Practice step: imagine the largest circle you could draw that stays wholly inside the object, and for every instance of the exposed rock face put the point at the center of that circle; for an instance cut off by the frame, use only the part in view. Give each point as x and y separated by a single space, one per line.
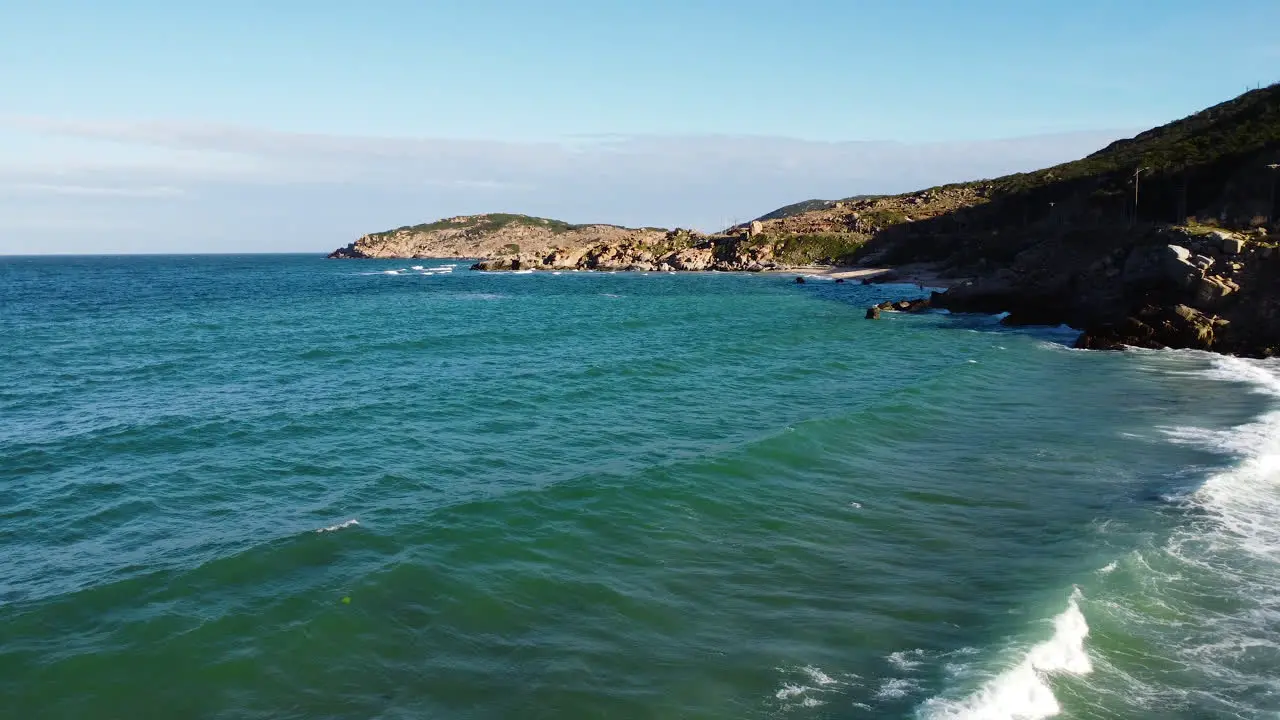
905 306
1168 287
492 236
517 242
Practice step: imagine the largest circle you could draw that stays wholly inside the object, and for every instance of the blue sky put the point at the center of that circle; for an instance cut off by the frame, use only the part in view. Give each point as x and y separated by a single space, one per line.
141 126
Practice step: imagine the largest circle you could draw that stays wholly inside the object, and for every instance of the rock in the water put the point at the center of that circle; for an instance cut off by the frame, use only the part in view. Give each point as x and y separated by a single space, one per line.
873 313
1178 326
799 280
906 306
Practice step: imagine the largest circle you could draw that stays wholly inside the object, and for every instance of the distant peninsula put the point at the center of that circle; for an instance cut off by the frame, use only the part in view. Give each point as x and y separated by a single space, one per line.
1166 239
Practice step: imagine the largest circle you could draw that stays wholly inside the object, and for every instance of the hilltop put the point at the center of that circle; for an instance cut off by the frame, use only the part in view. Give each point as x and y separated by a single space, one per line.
1164 239
489 235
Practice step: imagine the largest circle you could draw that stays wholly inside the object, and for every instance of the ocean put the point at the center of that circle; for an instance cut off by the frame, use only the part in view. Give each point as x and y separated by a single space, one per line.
286 487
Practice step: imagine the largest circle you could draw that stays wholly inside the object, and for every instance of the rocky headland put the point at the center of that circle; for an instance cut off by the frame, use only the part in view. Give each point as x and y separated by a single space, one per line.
1166 239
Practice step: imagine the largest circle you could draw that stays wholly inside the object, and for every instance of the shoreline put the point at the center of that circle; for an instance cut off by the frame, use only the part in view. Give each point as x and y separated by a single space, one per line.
924 276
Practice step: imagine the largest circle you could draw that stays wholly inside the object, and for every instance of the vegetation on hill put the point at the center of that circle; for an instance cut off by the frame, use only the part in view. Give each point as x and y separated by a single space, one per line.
813 248
1212 163
805 206
490 222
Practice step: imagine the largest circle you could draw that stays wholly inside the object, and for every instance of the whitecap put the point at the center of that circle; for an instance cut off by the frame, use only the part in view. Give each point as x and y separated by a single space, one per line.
789 691
339 526
906 660
1023 692
818 676
896 688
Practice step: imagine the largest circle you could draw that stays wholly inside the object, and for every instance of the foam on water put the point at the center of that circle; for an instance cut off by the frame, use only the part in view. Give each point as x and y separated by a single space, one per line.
807 684
1023 691
339 526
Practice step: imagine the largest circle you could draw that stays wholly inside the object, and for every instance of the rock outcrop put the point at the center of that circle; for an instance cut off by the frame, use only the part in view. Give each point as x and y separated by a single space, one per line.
1167 287
904 306
518 242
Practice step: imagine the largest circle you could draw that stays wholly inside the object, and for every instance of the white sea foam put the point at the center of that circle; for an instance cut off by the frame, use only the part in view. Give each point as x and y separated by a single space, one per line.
806 684
416 267
390 272
1022 692
339 526
816 675
895 688
789 691
1229 546
906 660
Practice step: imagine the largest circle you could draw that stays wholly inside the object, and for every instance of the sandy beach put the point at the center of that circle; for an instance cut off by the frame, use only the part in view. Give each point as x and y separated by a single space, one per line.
924 276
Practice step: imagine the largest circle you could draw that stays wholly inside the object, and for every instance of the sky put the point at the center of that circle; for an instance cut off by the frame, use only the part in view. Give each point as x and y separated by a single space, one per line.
289 126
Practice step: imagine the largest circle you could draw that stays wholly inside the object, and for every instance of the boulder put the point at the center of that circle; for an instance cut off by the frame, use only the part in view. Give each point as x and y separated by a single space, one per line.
873 313
1230 243
799 280
690 259
755 228
1210 290
1160 264
1177 326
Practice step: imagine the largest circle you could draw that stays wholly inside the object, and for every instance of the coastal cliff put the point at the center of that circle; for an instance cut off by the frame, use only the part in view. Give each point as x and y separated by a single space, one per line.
520 242
1168 239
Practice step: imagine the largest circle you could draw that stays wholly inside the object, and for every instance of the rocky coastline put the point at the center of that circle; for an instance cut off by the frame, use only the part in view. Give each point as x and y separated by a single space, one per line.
1167 239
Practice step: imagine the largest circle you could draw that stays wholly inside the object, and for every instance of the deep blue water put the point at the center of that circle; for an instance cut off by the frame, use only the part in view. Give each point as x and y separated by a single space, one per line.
285 487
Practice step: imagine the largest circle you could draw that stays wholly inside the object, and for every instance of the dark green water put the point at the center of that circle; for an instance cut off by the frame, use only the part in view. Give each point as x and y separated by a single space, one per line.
283 487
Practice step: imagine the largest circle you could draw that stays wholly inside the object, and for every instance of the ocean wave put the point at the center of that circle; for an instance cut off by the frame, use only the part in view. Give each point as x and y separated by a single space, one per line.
1023 692
339 526
805 685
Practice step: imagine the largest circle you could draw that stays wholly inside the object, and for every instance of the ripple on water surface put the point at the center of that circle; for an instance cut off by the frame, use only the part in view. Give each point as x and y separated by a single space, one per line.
280 487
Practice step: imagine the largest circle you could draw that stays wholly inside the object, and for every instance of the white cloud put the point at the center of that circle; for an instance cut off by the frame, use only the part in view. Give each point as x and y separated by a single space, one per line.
37 188
209 186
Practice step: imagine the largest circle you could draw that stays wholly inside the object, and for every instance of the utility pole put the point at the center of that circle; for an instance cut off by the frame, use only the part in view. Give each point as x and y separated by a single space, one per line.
1275 170
1181 215
1136 174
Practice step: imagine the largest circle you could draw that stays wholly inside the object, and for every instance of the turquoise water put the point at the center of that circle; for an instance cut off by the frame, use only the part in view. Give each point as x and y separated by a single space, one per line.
284 487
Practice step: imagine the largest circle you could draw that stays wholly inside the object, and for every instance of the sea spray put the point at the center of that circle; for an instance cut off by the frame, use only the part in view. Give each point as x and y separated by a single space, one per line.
1023 692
